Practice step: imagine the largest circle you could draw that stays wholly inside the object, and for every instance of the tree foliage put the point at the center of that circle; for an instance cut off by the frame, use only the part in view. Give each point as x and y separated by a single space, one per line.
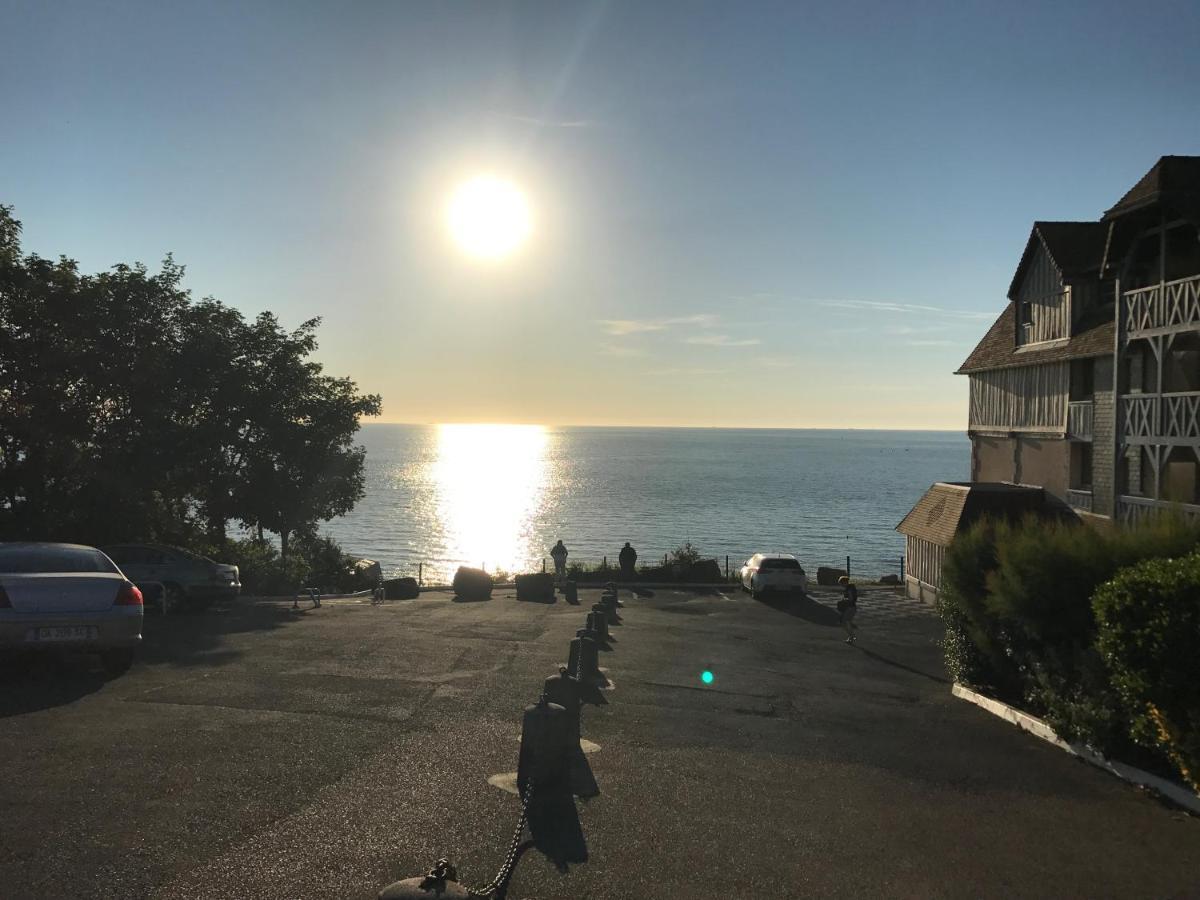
132 412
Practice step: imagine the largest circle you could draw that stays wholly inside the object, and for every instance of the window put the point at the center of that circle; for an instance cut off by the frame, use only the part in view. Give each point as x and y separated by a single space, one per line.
779 564
1081 466
26 560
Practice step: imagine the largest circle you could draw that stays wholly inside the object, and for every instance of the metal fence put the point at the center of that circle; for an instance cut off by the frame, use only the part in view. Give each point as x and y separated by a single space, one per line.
440 572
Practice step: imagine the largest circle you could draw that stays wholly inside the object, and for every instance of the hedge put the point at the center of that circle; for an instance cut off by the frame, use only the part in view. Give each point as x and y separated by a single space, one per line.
1149 636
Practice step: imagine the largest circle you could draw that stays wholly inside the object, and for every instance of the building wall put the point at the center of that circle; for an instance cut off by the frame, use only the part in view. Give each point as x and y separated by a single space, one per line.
1045 463
1043 292
1103 440
1025 398
992 459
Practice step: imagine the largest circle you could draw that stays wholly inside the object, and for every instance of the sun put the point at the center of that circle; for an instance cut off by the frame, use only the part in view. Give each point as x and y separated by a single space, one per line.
489 217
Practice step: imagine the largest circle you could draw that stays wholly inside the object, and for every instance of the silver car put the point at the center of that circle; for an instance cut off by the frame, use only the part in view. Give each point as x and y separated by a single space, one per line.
68 596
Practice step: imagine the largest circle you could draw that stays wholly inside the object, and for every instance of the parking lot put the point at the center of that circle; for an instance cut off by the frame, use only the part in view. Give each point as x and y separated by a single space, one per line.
259 751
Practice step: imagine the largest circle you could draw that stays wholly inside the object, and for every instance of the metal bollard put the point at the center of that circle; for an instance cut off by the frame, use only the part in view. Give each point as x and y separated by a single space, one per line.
545 746
571 591
564 690
598 621
584 662
608 612
439 883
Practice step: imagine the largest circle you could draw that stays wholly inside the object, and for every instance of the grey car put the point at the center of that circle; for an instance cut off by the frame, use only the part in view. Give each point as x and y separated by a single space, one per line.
186 578
68 596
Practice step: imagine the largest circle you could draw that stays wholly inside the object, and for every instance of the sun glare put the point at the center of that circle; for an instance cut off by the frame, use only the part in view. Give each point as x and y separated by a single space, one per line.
489 217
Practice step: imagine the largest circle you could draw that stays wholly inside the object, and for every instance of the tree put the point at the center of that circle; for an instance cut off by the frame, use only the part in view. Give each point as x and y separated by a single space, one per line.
132 412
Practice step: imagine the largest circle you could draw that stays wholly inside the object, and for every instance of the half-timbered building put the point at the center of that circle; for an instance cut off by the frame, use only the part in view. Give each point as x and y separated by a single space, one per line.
1087 385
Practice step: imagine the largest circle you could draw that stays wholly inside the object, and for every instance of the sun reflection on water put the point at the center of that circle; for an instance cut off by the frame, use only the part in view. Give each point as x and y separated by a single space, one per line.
490 482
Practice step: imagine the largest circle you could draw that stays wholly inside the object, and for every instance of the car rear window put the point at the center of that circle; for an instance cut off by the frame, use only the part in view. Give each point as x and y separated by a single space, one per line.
31 560
779 564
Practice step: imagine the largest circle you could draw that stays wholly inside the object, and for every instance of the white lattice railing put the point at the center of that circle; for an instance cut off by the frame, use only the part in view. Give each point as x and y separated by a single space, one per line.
1181 414
1139 510
1080 500
1079 419
1174 415
1139 415
1171 304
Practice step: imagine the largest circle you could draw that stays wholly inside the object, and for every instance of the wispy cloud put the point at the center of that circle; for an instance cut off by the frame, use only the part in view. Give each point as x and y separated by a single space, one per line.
619 350
549 123
622 327
721 340
689 372
777 362
904 308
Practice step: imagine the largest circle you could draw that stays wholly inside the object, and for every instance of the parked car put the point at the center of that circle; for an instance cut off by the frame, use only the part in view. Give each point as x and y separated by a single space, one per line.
186 578
765 572
56 596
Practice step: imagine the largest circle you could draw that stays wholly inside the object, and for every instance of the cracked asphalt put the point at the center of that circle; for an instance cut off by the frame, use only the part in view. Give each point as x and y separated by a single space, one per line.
256 751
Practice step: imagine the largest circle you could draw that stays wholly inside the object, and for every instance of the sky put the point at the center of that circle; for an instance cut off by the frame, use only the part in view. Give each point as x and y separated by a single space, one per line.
742 213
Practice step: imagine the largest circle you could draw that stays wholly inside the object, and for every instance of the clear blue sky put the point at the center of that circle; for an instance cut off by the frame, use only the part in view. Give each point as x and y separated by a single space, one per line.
738 207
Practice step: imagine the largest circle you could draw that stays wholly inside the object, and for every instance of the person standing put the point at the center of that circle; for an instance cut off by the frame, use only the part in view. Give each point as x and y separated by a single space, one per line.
848 607
558 553
627 559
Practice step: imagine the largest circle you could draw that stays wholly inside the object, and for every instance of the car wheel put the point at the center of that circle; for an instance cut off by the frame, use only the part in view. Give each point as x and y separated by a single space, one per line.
173 598
117 662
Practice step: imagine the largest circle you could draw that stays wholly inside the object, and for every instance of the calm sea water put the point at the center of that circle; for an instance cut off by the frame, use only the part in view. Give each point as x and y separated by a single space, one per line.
499 495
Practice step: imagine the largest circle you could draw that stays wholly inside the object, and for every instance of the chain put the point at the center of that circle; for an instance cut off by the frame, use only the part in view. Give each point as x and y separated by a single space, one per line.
510 861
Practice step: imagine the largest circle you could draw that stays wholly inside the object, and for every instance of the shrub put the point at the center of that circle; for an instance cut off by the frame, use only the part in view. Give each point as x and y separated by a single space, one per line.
472 584
685 556
1016 601
1149 619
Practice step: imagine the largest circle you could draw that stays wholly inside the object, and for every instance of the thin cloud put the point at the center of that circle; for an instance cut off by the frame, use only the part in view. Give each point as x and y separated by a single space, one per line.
623 327
721 340
904 308
691 373
550 123
618 350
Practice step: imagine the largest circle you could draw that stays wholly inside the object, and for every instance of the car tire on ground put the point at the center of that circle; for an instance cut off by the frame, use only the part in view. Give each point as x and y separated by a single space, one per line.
173 598
117 661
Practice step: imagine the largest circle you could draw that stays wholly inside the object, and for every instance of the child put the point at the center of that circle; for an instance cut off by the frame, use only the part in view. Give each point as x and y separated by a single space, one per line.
848 607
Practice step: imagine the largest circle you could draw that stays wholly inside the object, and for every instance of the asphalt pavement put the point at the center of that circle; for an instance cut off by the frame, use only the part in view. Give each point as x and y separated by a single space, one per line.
259 751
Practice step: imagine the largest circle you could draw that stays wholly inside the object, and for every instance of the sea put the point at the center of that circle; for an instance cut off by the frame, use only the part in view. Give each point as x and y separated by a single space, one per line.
499 496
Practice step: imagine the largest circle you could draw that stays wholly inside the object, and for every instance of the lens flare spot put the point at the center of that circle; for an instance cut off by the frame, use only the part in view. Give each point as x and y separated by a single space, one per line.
706 676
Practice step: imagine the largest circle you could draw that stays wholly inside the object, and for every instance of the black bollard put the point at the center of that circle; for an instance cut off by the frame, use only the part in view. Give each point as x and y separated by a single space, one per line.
440 883
584 662
598 622
564 690
545 747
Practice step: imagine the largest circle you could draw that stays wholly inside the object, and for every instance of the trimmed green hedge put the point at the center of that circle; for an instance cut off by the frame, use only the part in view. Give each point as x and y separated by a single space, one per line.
1016 601
1149 636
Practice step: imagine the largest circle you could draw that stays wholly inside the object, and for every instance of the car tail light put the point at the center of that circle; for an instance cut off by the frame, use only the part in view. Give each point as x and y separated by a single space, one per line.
128 595
4 602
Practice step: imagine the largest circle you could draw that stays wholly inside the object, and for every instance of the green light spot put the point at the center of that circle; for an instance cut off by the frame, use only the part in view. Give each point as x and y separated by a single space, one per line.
706 676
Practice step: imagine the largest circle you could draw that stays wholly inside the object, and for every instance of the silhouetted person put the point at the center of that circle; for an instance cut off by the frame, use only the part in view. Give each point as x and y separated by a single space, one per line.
848 607
558 553
627 559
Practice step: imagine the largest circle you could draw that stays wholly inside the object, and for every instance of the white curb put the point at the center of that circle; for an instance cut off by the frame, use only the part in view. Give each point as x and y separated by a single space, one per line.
1035 726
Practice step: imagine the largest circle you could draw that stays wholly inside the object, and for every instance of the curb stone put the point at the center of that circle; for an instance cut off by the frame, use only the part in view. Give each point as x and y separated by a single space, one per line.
1035 726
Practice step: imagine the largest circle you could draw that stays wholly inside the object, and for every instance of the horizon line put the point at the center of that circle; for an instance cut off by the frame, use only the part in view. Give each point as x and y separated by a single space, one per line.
693 427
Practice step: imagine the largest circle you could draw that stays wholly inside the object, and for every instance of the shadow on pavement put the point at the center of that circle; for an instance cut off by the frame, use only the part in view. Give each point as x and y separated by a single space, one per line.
195 638
803 607
554 824
900 665
29 683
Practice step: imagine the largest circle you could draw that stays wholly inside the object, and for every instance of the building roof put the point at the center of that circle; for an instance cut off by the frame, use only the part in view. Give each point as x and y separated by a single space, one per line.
1175 176
1076 248
998 348
949 506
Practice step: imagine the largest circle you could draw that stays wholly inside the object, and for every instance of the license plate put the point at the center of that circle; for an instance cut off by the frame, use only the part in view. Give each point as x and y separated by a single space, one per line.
66 633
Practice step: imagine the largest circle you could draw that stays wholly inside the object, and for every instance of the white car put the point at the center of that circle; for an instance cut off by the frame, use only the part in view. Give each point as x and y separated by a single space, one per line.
780 572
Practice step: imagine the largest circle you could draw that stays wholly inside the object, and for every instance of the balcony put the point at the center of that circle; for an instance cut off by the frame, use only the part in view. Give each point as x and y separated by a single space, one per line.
1080 500
1162 308
1079 420
1140 510
1172 418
